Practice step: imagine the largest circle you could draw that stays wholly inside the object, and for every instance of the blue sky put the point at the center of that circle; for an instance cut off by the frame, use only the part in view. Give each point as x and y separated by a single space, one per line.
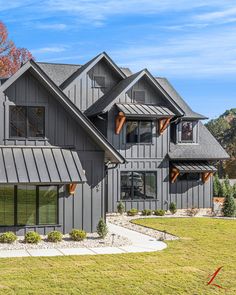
192 43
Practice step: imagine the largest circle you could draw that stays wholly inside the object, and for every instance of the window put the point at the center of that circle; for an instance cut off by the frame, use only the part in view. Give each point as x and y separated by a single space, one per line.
99 81
138 185
26 121
187 131
28 205
7 205
138 131
47 204
189 177
139 96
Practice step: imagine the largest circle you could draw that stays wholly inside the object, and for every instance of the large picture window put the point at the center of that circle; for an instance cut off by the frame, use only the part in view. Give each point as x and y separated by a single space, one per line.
139 131
27 121
187 131
28 205
138 185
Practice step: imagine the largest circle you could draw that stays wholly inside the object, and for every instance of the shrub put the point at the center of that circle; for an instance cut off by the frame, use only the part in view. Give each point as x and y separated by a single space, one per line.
32 237
121 208
132 212
229 206
172 208
78 235
159 212
216 186
102 228
147 212
55 236
234 190
8 237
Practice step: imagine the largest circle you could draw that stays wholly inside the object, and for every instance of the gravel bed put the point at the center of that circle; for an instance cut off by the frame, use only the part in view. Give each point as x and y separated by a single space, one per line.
91 241
124 220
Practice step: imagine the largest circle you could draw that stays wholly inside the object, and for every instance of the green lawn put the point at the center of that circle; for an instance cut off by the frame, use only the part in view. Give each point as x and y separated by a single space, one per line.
182 268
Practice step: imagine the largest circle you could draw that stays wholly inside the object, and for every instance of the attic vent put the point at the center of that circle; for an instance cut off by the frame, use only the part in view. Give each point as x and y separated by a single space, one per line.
98 81
139 96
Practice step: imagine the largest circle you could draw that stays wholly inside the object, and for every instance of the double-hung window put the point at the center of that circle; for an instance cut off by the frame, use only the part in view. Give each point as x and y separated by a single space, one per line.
27 121
187 131
138 185
139 131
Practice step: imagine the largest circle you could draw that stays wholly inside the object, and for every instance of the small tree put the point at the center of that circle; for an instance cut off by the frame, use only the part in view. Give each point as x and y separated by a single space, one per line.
102 228
228 187
121 208
172 208
216 186
229 206
223 190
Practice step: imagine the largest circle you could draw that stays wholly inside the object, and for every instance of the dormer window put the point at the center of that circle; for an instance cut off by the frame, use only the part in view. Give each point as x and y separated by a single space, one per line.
187 131
139 96
27 121
99 82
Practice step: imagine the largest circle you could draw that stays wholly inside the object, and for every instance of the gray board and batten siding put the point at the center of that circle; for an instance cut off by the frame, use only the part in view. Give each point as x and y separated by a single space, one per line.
84 209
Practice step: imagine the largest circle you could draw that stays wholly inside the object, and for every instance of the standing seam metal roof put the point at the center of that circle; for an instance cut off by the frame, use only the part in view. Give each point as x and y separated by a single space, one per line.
144 110
196 166
40 165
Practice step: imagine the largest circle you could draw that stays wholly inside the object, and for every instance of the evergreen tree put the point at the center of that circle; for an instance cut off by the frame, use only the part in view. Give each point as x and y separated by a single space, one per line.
229 206
228 187
216 186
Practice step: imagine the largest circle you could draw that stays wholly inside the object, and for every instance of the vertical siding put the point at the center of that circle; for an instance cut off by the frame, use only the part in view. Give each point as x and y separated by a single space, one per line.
81 90
87 205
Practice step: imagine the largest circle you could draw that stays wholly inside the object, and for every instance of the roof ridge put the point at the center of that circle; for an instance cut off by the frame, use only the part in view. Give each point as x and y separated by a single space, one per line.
56 63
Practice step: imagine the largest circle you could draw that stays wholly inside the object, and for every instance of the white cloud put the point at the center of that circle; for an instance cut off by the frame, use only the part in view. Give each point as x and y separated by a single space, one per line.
52 49
56 27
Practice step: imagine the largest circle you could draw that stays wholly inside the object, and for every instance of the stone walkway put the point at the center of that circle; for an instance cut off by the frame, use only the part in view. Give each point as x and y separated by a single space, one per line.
140 243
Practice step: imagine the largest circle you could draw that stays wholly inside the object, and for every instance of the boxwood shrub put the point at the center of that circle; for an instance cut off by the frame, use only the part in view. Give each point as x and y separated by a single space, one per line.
159 212
132 212
55 236
78 235
146 212
8 237
32 237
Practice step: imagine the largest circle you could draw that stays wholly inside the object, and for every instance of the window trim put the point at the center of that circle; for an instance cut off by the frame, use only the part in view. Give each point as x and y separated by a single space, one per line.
132 189
37 208
181 132
27 122
94 82
138 142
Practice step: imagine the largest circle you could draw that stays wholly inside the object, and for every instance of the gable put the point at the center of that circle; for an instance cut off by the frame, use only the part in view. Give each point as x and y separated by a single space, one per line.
110 153
83 91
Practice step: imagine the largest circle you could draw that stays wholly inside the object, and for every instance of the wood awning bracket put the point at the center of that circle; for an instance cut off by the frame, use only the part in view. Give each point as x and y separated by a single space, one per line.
206 176
72 188
120 120
163 124
174 174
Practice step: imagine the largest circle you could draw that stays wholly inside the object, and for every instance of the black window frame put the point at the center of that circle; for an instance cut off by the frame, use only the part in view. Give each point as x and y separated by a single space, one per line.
138 138
95 84
27 108
137 100
132 187
181 137
16 224
188 176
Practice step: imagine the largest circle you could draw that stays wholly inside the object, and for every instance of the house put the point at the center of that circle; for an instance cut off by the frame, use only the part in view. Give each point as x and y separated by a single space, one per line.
75 140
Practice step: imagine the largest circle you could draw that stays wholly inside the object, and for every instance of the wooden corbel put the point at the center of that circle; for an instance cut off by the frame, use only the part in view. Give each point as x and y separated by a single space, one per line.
163 124
120 120
174 174
206 176
72 188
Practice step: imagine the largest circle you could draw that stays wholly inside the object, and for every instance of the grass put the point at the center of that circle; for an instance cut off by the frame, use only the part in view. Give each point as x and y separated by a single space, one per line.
182 268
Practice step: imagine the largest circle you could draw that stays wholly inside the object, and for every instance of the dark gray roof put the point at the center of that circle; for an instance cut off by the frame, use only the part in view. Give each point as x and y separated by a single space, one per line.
188 112
58 73
208 148
103 102
196 166
142 110
111 154
126 71
40 165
